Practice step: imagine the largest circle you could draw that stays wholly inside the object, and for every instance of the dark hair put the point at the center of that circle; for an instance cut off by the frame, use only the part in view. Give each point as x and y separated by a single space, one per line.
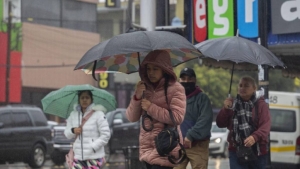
85 91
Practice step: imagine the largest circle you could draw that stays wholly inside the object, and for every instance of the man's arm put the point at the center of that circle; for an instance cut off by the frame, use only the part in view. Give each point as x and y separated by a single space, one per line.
201 130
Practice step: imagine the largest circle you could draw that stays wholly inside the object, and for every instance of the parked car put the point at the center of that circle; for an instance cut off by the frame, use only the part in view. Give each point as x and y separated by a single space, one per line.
24 135
218 142
285 129
61 144
123 134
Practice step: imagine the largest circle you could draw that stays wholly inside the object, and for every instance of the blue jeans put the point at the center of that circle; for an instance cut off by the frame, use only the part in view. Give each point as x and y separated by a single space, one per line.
260 163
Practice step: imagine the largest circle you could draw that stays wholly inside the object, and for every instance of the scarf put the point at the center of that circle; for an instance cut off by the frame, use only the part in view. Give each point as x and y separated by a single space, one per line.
243 125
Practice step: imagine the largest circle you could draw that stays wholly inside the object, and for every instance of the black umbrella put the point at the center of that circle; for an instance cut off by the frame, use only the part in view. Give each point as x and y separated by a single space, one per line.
236 53
124 52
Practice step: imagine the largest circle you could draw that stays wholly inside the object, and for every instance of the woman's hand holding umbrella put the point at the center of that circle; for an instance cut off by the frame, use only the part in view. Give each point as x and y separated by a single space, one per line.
140 88
77 130
228 103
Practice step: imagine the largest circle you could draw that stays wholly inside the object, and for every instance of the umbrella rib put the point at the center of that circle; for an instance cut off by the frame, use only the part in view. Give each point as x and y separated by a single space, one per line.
149 41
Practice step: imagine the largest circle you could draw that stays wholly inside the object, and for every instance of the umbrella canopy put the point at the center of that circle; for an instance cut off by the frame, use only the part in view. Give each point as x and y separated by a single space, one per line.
236 53
222 52
124 52
61 102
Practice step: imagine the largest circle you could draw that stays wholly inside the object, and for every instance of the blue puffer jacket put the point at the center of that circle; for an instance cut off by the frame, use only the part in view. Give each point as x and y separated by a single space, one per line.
198 117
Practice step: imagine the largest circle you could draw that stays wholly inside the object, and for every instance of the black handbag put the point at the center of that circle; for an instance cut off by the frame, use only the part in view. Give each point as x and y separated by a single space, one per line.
167 140
245 154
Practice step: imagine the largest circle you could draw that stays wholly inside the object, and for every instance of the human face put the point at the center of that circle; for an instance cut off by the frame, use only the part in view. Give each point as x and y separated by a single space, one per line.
154 73
85 100
186 78
246 89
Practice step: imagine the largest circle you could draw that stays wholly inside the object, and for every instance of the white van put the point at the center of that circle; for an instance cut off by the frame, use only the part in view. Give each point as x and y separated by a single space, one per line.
285 129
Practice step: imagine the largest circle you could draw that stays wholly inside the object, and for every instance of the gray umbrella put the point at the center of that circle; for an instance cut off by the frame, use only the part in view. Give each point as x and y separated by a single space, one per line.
236 53
124 52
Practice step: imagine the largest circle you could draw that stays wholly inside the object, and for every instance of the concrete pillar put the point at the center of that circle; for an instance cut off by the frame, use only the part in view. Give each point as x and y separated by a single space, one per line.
148 14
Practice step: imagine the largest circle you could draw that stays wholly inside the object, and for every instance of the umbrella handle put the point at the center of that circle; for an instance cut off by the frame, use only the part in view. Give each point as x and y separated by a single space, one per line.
94 69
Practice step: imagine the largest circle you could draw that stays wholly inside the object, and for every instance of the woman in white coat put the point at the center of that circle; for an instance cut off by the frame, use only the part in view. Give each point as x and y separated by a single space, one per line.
92 137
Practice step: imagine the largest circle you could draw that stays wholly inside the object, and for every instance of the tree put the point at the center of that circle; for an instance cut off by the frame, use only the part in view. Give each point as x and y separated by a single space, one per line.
215 81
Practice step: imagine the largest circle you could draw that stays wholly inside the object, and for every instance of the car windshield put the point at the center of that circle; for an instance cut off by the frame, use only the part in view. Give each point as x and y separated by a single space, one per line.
216 129
283 120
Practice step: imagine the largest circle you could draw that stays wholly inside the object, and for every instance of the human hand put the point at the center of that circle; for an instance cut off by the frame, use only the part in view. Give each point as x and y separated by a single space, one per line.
145 104
187 143
228 103
140 87
77 130
249 141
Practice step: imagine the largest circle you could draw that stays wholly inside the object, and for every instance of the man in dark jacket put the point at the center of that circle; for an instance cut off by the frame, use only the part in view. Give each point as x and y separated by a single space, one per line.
197 122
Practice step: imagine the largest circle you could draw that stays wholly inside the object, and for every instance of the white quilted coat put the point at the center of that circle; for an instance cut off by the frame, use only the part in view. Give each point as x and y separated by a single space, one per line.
95 135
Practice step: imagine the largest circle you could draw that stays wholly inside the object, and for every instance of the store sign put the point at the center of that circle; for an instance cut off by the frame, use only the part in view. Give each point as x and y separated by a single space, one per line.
200 26
112 3
103 80
285 16
247 15
220 18
106 80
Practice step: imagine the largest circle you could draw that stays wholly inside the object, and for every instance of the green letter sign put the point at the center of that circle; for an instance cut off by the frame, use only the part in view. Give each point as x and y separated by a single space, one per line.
220 18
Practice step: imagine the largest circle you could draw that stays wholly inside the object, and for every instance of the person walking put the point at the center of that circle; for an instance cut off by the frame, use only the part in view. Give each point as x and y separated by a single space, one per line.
247 117
197 122
92 137
158 81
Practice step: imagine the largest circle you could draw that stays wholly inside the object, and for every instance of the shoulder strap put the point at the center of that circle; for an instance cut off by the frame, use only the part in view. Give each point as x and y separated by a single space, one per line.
85 120
170 112
86 117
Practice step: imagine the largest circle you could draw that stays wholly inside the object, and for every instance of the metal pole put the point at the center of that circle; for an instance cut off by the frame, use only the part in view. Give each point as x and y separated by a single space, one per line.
8 52
264 82
148 14
61 14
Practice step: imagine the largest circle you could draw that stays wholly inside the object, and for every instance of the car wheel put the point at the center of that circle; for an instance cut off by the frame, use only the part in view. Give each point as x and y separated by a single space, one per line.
225 153
58 157
37 156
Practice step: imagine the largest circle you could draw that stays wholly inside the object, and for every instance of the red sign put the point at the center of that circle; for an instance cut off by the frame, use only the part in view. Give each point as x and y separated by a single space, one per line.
200 27
15 84
3 49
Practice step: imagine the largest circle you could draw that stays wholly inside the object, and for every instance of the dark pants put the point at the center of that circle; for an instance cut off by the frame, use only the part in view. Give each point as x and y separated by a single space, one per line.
156 166
260 163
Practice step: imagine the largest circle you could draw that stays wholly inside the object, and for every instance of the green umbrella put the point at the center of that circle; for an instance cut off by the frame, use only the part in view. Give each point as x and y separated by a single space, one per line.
61 102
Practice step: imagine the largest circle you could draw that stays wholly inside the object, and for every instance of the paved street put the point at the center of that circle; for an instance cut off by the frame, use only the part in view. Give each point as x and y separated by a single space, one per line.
117 162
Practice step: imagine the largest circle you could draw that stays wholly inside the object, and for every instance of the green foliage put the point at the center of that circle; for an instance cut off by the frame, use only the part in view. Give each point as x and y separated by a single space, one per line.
280 83
215 81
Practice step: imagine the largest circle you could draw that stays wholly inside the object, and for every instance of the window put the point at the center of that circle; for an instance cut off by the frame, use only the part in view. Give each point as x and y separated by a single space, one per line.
118 116
283 120
22 119
39 118
122 116
6 120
